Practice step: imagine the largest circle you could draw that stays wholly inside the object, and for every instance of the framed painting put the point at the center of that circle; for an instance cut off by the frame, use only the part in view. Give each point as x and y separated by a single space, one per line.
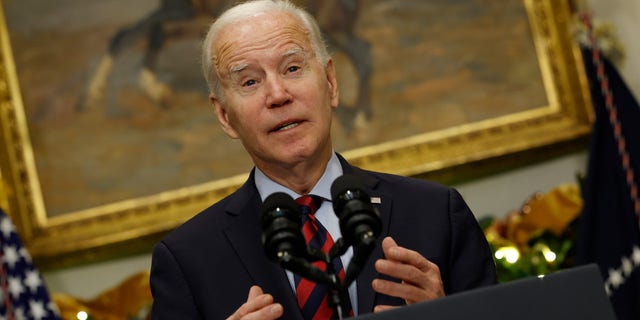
108 141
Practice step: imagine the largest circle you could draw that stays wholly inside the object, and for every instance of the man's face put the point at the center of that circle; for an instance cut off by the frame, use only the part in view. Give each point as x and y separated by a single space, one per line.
277 95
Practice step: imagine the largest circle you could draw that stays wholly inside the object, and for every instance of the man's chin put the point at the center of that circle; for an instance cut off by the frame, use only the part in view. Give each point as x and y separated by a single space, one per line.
294 157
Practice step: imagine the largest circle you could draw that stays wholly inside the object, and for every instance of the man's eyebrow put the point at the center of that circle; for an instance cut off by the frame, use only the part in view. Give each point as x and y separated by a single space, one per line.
292 52
238 68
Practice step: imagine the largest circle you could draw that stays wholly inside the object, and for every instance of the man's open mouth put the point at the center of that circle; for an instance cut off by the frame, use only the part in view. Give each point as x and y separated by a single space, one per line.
286 126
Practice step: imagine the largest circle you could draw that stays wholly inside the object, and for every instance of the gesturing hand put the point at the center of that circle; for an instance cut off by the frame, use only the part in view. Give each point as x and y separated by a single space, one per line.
420 277
259 305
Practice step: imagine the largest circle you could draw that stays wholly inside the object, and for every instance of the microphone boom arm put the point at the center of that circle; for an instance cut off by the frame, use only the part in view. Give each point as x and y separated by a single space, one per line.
361 253
303 268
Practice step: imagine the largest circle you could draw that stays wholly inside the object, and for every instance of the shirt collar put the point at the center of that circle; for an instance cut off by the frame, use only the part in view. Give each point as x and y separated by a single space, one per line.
266 186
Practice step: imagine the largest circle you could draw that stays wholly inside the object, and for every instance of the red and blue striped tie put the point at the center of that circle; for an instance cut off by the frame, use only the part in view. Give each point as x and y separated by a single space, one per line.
313 297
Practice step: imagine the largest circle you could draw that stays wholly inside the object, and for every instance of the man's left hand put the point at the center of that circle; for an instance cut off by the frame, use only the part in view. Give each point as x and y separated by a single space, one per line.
420 278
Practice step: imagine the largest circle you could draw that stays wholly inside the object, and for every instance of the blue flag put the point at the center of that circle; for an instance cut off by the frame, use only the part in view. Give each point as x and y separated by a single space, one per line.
23 294
609 233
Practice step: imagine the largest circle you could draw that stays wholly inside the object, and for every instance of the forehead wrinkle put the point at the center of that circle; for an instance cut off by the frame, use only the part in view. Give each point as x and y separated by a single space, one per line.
227 47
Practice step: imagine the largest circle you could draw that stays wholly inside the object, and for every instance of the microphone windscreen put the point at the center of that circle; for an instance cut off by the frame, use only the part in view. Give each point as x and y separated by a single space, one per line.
278 200
281 226
344 183
359 220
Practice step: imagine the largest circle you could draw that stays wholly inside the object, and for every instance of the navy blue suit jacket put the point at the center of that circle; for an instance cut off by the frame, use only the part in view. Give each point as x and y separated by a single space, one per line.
204 268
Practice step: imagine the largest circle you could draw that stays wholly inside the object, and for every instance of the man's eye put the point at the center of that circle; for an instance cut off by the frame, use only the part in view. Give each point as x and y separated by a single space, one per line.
249 83
293 69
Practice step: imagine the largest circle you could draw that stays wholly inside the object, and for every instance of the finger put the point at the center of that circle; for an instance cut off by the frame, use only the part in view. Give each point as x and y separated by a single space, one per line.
421 285
410 293
380 308
392 251
273 311
388 242
256 300
419 275
254 292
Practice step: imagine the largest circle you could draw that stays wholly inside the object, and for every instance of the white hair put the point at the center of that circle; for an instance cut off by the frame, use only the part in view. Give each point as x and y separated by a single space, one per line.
245 11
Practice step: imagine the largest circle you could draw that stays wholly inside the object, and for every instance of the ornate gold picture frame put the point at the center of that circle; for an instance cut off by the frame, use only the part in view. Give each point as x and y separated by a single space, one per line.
446 154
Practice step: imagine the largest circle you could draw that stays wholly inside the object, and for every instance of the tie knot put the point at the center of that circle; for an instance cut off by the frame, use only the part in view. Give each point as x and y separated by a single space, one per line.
309 203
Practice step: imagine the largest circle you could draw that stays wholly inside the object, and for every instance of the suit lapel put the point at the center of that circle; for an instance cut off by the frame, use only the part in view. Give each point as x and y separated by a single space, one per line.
366 295
244 235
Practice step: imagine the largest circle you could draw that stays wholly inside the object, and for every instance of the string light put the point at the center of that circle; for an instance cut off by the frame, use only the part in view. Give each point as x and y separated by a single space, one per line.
510 254
82 315
549 255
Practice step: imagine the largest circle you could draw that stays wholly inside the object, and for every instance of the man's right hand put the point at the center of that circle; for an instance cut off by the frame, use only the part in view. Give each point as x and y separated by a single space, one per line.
259 305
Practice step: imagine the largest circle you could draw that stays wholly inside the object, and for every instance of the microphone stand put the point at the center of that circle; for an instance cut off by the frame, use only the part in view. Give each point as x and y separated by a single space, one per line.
337 290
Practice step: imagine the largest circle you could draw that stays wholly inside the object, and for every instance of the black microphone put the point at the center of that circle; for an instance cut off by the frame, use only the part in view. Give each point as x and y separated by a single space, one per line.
282 237
360 222
281 227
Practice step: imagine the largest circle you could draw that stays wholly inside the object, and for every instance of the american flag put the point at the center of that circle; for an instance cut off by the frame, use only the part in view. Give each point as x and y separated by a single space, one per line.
23 294
609 224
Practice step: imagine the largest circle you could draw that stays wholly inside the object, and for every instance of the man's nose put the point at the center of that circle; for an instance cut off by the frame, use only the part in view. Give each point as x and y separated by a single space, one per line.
277 94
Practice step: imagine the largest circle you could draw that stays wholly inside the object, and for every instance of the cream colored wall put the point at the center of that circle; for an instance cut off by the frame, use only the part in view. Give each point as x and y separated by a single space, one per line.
625 16
495 195
90 280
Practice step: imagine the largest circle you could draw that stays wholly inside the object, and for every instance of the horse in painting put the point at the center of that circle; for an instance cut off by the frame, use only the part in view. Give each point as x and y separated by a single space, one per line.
190 18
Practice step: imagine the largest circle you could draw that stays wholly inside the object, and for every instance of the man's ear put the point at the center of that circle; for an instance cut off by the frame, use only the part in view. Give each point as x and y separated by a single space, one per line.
223 117
334 93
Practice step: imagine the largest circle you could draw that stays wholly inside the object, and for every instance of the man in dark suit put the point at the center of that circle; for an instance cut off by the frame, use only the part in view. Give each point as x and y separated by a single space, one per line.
273 86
